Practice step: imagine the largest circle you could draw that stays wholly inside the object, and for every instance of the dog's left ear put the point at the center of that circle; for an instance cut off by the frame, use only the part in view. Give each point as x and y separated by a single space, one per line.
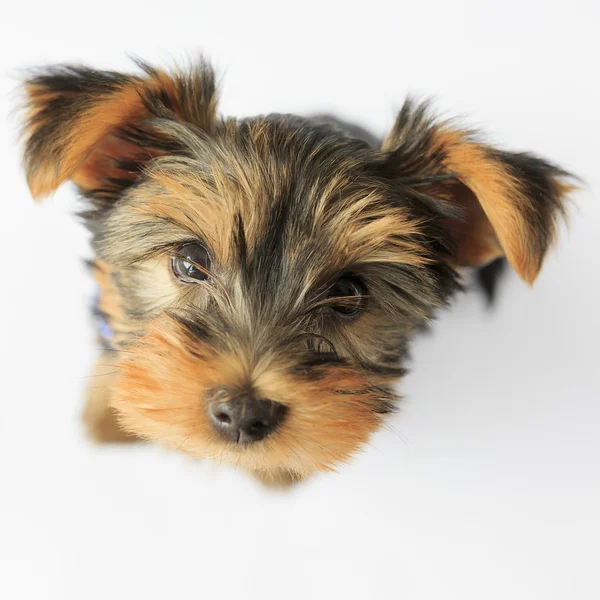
491 202
97 128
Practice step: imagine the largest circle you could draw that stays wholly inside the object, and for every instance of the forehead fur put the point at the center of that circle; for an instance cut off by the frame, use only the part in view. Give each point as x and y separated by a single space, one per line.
284 182
284 206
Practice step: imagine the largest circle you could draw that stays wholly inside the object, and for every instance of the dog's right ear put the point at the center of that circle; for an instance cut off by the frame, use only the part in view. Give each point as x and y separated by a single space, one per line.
95 127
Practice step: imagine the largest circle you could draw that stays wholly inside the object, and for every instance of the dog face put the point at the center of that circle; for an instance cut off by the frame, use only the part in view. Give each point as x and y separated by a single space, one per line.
263 277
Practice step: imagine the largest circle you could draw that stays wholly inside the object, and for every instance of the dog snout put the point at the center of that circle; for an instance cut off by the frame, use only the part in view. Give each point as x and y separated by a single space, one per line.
245 420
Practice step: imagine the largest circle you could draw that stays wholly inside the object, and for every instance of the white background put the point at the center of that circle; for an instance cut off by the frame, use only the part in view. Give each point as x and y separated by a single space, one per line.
485 486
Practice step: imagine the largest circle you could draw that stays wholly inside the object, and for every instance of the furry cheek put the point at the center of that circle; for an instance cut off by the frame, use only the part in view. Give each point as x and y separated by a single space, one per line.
166 376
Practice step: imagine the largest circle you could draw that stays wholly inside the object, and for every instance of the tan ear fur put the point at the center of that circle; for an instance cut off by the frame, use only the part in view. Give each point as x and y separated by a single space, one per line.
508 202
75 118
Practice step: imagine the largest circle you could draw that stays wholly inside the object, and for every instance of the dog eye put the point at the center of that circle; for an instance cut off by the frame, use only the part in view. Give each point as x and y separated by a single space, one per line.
350 295
191 262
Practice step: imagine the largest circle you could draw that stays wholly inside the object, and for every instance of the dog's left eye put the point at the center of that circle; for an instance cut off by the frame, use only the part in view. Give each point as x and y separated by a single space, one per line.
349 294
191 262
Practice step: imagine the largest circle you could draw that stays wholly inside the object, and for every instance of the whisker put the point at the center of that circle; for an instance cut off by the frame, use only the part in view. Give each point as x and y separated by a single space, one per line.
345 301
393 430
310 335
99 374
183 441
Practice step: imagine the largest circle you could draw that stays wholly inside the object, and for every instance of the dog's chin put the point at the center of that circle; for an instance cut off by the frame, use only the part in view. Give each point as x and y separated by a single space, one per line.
165 377
281 479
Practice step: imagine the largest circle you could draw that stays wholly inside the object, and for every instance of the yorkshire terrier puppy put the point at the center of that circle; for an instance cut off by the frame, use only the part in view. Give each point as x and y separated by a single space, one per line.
260 278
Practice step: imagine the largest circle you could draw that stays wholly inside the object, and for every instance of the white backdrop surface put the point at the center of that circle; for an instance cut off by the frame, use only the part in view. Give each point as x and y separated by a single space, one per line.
485 485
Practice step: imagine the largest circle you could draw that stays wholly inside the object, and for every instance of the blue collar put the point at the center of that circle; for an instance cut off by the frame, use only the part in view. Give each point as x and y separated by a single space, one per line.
105 331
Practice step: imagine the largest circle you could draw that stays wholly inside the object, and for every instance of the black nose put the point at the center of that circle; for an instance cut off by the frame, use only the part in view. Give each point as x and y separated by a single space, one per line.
247 419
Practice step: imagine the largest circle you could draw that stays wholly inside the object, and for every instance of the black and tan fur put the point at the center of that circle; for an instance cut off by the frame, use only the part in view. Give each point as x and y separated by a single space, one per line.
285 206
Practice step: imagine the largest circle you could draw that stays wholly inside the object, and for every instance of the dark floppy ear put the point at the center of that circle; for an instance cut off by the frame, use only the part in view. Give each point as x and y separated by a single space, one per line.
92 126
491 202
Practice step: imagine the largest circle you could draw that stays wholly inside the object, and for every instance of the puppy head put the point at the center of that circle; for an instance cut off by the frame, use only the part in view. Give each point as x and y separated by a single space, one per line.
266 274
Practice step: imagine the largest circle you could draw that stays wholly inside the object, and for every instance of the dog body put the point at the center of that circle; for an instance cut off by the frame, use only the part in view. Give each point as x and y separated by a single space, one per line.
260 279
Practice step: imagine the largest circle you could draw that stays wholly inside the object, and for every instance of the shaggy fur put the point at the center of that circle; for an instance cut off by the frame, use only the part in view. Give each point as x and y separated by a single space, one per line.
285 206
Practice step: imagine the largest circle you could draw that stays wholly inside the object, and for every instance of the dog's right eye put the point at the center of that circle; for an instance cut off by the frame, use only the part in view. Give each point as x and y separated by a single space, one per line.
191 262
